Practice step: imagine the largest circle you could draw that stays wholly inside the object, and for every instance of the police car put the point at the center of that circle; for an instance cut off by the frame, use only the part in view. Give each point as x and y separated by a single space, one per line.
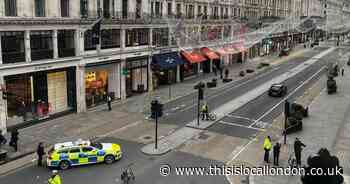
67 154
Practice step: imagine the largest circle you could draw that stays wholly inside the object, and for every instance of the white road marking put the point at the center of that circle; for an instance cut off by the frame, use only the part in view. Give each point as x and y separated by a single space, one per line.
240 117
235 124
284 99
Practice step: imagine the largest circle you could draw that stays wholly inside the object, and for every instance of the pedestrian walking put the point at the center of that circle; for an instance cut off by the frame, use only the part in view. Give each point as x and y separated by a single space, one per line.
221 71
276 153
14 139
226 73
298 146
2 139
23 110
267 148
215 70
40 152
205 112
109 101
55 178
342 71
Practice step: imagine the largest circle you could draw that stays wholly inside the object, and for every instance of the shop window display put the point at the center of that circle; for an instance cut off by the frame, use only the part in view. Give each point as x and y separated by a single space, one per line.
96 87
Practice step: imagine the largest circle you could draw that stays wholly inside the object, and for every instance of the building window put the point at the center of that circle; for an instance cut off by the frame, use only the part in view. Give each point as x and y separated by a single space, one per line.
40 8
125 9
205 12
110 38
64 8
178 10
88 40
10 8
84 8
158 9
160 37
65 39
106 9
170 12
136 37
138 9
199 12
12 47
41 45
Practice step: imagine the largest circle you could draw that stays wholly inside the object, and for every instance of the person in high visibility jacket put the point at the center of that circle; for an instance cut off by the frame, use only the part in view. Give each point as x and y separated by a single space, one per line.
55 178
267 148
205 111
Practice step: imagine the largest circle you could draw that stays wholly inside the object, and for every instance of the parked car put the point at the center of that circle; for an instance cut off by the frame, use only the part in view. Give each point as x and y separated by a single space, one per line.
277 90
299 111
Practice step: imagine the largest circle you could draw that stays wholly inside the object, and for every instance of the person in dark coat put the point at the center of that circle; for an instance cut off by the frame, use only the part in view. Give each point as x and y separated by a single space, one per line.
14 140
23 110
2 139
109 101
276 153
215 70
298 146
226 73
342 72
221 71
40 152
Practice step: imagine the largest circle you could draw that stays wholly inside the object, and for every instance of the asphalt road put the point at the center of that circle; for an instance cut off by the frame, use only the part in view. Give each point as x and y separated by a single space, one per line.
146 169
184 109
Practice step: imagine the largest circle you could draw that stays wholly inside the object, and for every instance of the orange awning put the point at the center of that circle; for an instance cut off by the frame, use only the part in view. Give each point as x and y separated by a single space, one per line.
193 57
209 53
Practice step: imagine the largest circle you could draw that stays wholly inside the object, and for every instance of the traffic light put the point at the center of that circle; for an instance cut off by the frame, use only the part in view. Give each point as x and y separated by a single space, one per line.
200 93
156 109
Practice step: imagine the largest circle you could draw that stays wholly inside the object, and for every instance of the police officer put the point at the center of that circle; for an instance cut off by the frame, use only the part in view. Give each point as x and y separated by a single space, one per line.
40 152
298 146
267 147
55 178
205 111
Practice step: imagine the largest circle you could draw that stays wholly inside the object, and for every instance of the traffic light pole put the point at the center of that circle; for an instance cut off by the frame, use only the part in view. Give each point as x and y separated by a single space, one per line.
198 108
156 136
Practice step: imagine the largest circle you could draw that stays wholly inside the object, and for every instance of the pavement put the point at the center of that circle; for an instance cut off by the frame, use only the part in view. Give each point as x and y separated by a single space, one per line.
326 127
98 122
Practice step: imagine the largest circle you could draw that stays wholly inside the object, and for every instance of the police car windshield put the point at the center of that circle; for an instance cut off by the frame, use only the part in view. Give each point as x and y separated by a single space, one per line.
96 145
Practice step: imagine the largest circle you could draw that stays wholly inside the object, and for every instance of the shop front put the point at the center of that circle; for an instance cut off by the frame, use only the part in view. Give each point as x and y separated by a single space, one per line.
40 95
193 66
165 68
101 80
137 75
212 57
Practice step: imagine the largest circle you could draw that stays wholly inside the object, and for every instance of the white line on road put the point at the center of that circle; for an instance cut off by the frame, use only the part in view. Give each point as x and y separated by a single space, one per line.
290 94
235 124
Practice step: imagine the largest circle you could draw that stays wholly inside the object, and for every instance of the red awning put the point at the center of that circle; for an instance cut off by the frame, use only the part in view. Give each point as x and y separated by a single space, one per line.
209 53
221 51
193 57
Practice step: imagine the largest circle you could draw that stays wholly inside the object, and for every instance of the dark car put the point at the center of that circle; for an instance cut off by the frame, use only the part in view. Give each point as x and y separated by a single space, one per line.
277 90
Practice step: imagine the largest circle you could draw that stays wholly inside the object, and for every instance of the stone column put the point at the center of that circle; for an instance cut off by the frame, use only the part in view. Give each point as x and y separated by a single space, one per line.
0 51
122 39
80 83
150 37
150 73
122 81
199 68
79 42
3 108
178 72
27 46
55 44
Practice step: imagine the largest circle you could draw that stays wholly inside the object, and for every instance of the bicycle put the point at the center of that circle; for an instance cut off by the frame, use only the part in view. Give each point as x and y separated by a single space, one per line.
210 117
127 175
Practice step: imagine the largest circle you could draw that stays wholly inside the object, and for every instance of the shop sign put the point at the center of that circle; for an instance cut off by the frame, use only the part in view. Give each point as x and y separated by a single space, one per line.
36 68
125 71
170 60
91 76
